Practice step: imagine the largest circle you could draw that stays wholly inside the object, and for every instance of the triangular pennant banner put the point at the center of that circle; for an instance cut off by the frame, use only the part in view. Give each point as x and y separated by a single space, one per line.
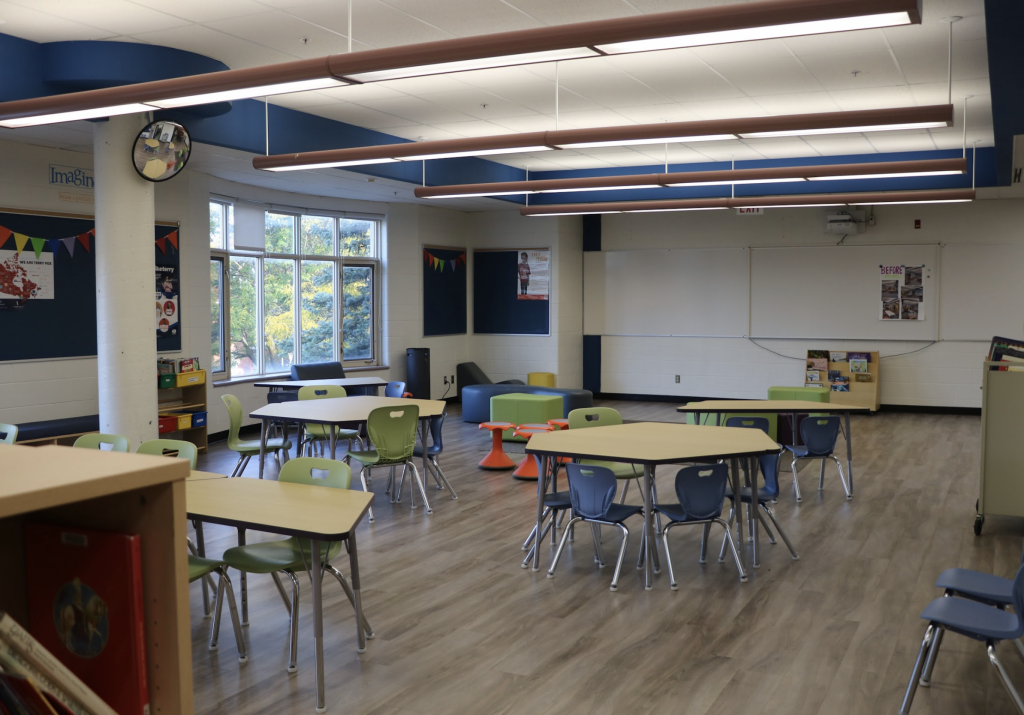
83 238
452 263
37 245
436 262
427 257
172 238
54 246
20 240
5 233
69 243
161 243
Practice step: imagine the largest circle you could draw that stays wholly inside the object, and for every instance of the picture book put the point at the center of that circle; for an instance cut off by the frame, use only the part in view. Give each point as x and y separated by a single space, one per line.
866 357
1006 350
813 384
165 367
837 357
813 376
863 377
817 364
833 375
85 607
188 364
842 379
857 365
12 662
817 354
841 387
23 695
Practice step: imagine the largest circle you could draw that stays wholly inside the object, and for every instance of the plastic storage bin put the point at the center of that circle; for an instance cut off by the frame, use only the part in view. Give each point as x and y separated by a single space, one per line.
165 382
167 423
188 379
184 420
199 419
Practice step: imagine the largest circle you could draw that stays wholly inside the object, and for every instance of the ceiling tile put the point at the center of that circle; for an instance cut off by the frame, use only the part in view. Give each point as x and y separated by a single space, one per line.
750 52
837 42
833 144
929 63
607 85
415 109
782 148
780 75
855 71
232 51
422 132
724 108
374 23
901 141
359 116
532 123
566 11
120 18
477 128
593 118
466 17
359 92
683 77
934 31
873 98
29 24
804 103
205 10
658 113
728 151
284 33
422 85
478 103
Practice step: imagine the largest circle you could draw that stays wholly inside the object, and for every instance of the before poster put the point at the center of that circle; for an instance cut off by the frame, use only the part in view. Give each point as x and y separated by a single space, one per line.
902 292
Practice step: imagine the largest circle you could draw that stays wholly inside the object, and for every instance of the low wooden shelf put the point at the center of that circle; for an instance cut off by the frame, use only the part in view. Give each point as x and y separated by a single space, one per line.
192 398
862 394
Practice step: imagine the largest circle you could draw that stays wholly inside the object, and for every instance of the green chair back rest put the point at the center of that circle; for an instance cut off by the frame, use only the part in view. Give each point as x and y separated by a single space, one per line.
393 431
235 417
594 417
8 433
316 472
157 447
107 442
320 392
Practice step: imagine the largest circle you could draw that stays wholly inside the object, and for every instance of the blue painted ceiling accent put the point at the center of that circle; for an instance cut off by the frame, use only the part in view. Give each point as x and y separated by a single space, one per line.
1004 22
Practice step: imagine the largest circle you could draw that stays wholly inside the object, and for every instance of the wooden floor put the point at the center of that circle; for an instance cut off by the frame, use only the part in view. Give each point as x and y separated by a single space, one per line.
461 628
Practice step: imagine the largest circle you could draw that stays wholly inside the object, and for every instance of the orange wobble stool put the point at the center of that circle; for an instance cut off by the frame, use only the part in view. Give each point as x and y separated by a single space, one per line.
528 467
496 458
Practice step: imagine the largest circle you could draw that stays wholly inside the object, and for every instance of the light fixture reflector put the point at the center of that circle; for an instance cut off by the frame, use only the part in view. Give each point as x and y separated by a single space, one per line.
99 113
482 193
476 152
692 208
895 175
631 142
919 201
794 29
527 58
575 213
329 165
786 206
844 130
306 85
738 181
599 188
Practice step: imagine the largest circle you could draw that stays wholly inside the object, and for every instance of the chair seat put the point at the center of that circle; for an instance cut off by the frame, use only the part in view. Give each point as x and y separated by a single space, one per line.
797 450
558 500
372 458
432 450
620 512
675 513
622 470
977 585
270 556
199 567
763 495
320 432
251 447
973 619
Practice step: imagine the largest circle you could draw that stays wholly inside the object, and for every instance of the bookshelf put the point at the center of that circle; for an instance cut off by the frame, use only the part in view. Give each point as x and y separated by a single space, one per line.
862 394
130 493
1000 488
184 395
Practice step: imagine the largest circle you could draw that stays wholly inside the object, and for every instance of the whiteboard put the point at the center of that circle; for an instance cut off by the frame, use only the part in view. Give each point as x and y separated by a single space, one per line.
679 292
982 292
835 292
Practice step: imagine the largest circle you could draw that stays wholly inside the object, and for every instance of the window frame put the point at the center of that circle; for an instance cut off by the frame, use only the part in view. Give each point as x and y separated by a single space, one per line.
339 261
225 357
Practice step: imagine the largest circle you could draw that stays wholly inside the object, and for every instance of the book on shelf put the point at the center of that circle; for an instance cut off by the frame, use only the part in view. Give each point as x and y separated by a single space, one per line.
85 607
837 357
840 387
817 354
165 367
857 365
814 384
863 377
817 364
813 376
22 696
866 357
188 364
833 375
21 654
841 378
1008 351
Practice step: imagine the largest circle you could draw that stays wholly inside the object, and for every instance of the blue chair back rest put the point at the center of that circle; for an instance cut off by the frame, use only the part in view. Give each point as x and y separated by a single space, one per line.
436 423
760 423
275 398
1018 599
770 464
591 489
394 389
594 417
701 490
819 435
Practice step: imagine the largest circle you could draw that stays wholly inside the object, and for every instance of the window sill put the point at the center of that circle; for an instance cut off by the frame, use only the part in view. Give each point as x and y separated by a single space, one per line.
270 378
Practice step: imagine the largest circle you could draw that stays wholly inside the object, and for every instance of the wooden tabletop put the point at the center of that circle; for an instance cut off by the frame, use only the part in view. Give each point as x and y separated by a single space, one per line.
313 512
341 410
770 406
653 443
196 476
339 381
33 478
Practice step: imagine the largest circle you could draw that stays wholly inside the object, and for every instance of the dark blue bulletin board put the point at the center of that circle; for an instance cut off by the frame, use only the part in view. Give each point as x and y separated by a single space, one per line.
48 285
444 290
497 309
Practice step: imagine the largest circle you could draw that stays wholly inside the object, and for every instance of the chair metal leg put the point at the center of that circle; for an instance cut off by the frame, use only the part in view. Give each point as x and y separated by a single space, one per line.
235 471
561 545
668 558
293 642
732 547
782 532
764 525
367 629
595 531
280 590
654 503
1012 691
218 606
622 555
419 485
705 533
625 490
721 552
390 487
362 478
244 465
533 532
444 483
821 475
796 481
933 653
229 594
842 477
915 676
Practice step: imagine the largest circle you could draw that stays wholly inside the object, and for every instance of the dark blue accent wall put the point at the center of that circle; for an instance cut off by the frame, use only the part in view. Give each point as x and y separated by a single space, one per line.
1004 22
592 363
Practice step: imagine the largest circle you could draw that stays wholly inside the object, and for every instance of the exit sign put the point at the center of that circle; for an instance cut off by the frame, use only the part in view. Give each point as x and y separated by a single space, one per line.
751 211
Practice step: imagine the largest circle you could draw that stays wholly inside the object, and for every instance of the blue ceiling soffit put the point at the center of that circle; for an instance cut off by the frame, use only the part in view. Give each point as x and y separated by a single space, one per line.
1004 21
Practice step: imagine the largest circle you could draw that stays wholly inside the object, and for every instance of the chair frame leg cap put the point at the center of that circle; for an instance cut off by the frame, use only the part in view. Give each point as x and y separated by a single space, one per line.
243 659
213 646
293 669
370 636
321 710
551 575
673 586
360 650
613 588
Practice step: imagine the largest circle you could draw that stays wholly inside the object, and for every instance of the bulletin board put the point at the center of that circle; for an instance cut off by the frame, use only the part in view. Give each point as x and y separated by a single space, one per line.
48 284
444 290
508 299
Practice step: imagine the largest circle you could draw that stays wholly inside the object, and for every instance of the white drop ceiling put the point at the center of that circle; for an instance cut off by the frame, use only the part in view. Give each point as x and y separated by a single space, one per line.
867 69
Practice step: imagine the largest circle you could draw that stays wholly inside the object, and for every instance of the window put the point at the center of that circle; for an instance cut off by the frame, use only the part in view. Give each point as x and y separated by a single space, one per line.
310 296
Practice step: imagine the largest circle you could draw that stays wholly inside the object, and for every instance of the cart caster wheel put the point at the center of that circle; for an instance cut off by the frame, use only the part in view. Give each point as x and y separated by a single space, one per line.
979 521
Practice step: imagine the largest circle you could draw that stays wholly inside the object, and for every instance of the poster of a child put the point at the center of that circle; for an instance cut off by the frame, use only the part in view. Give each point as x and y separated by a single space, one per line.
534 273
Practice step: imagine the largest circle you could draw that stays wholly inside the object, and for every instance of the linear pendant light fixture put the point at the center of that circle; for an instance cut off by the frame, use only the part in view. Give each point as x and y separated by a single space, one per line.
665 132
937 196
640 33
771 175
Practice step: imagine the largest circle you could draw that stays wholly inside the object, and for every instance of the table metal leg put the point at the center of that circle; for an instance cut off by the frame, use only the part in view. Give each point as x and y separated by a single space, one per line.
423 443
648 536
849 454
334 443
263 446
318 624
737 481
284 432
752 509
242 580
362 627
201 552
542 471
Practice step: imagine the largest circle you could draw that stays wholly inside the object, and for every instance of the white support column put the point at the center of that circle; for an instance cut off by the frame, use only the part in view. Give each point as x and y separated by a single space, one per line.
125 328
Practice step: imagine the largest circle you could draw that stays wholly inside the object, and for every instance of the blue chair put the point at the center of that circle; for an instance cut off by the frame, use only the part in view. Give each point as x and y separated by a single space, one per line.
770 464
555 505
975 620
592 492
395 389
760 423
435 448
701 493
819 435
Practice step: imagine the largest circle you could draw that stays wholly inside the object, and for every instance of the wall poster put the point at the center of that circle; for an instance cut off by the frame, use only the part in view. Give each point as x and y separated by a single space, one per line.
534 272
902 292
168 290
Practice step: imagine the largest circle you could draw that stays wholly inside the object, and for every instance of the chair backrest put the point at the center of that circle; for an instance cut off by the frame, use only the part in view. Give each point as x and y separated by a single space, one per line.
819 435
394 389
235 418
276 398
177 447
770 464
594 417
320 392
8 433
1018 599
108 442
318 371
701 490
393 431
316 471
591 489
436 423
760 423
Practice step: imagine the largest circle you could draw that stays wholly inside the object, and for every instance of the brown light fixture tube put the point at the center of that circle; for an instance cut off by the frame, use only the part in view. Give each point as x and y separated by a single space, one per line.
792 200
924 167
685 28
900 117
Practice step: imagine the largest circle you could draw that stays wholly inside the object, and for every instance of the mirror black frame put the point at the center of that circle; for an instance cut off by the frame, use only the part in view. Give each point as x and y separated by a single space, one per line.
181 167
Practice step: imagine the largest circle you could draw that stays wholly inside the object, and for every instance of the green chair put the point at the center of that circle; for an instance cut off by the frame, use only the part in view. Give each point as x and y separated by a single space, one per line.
247 448
105 442
321 434
392 430
293 554
200 568
170 448
605 417
8 433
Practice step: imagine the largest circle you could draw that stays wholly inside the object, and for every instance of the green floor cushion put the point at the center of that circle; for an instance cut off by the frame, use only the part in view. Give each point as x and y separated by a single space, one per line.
519 408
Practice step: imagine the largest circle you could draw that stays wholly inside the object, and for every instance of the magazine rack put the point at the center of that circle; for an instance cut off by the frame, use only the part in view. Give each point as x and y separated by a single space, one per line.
862 394
110 491
1001 487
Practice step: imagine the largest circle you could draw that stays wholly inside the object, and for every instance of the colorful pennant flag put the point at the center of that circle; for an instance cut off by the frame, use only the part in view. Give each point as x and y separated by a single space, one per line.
54 244
69 243
83 238
443 263
5 233
172 237
161 243
20 240
37 245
